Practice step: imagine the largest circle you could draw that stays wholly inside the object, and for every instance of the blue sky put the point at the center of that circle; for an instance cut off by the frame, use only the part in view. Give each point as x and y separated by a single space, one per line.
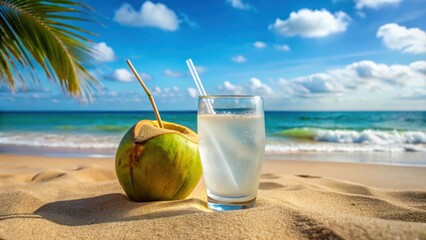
299 55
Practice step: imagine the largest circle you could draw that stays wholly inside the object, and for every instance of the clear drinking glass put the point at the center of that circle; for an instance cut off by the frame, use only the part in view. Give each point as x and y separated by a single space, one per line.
231 131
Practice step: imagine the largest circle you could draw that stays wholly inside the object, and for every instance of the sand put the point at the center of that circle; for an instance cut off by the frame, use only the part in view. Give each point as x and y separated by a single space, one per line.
65 198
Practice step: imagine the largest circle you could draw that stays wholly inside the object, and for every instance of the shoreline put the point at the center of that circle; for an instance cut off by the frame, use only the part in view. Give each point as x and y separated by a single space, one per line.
411 159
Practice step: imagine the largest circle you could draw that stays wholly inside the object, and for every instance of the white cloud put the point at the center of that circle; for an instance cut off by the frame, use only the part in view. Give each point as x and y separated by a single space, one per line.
102 52
166 92
145 76
417 94
123 75
311 23
283 47
200 69
113 97
409 40
317 83
289 88
156 90
369 75
185 19
239 4
192 92
419 66
259 44
360 14
412 75
260 88
173 74
230 88
359 77
254 86
375 4
150 15
239 59
106 93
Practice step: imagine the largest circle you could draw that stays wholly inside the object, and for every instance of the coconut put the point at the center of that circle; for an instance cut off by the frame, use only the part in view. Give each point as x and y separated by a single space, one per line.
154 163
157 160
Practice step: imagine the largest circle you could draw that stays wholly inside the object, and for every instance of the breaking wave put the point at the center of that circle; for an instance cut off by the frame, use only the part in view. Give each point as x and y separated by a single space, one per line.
291 140
368 136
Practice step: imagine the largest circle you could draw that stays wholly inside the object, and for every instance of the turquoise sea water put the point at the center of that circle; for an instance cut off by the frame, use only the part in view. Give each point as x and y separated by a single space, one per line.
375 136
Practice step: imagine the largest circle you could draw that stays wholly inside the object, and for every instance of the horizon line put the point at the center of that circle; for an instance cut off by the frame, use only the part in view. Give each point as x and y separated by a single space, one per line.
166 111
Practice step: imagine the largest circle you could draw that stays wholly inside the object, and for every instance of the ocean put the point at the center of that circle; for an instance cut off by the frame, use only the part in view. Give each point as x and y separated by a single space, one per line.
392 138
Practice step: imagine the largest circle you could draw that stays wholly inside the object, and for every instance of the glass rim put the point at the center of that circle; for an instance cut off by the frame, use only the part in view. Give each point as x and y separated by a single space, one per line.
230 96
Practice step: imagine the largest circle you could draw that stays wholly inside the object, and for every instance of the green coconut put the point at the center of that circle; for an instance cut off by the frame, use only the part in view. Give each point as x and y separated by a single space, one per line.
157 160
154 163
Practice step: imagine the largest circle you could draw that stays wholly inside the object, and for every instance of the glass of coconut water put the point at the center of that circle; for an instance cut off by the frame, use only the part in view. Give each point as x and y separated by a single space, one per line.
231 131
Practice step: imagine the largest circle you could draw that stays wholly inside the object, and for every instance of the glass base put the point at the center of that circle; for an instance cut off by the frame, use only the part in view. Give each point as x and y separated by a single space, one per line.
228 206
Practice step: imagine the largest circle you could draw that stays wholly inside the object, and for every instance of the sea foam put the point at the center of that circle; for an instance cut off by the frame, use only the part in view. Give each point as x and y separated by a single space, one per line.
280 147
368 136
295 140
330 140
53 140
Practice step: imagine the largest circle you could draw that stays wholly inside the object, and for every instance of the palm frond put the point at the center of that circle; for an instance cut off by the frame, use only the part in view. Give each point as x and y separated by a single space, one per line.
40 33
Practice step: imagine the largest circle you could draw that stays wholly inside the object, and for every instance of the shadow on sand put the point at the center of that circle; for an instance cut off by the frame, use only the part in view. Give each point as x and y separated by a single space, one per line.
115 208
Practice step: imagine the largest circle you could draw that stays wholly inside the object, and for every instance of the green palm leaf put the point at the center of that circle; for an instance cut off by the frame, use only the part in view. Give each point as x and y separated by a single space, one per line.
40 33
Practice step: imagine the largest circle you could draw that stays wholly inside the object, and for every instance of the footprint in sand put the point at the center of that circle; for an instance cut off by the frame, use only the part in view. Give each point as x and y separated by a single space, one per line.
307 176
269 185
269 176
48 175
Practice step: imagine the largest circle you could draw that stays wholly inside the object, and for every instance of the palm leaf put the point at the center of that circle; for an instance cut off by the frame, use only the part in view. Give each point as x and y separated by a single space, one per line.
35 33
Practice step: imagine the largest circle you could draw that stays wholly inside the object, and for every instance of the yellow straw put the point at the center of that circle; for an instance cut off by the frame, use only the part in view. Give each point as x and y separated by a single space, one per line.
151 98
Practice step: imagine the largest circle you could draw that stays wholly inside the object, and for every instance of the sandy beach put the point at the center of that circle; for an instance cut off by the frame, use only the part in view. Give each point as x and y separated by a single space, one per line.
80 198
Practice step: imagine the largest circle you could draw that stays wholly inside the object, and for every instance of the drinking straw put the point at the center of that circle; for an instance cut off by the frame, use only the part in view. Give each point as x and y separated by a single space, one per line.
198 83
196 77
202 92
151 99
